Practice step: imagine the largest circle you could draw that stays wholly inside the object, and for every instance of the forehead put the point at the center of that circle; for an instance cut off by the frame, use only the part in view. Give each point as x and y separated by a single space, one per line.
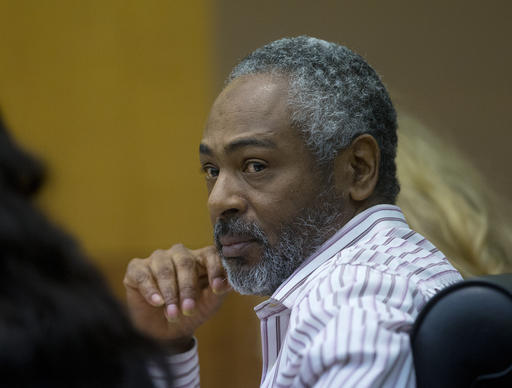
249 106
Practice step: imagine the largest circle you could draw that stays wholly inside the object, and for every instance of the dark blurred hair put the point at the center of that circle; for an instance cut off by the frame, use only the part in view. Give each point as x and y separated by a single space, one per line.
18 170
59 324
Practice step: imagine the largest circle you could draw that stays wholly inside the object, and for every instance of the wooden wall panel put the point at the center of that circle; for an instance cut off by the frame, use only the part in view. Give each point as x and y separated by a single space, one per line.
113 96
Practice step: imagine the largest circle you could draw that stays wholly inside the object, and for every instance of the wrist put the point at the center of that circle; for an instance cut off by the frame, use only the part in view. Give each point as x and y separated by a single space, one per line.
179 345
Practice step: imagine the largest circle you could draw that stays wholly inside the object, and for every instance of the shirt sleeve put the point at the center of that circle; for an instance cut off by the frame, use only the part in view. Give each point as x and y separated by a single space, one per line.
184 368
356 334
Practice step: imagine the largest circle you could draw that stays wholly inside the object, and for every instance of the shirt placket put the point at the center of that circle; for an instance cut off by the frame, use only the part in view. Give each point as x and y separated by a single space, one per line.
274 318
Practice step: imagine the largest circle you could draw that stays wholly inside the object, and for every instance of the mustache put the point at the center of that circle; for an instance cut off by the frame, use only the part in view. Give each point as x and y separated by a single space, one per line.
240 228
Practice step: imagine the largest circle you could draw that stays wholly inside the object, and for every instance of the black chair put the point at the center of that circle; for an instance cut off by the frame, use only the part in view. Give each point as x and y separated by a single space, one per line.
463 336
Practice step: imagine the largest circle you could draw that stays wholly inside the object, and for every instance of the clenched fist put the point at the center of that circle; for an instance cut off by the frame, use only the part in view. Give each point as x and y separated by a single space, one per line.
172 292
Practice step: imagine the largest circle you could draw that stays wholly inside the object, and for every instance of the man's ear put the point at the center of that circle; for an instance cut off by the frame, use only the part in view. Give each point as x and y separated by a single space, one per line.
356 168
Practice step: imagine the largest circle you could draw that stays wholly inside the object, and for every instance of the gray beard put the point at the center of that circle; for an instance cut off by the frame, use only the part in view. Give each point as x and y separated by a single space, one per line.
297 240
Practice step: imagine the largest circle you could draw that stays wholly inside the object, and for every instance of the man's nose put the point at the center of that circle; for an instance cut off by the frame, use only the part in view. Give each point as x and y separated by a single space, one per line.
226 197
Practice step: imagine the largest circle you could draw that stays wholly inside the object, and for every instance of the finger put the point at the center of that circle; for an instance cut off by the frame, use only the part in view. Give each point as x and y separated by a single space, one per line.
188 284
138 276
163 270
216 273
185 264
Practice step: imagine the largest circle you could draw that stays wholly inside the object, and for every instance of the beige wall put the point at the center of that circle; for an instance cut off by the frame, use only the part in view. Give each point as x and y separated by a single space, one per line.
447 62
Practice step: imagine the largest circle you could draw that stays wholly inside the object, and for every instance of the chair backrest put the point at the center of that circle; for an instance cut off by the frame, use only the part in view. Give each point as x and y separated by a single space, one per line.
463 335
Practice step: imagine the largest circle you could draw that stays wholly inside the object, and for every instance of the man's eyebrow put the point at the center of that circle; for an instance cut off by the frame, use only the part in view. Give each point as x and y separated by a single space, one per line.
237 144
241 143
204 149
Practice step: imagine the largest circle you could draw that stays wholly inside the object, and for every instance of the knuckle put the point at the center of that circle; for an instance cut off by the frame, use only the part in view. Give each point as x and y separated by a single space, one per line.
207 252
177 248
158 254
126 281
187 291
140 276
136 272
164 272
186 264
133 264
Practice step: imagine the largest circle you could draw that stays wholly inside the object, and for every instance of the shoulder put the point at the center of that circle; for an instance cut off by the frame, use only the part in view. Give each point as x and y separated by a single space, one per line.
387 263
357 309
387 278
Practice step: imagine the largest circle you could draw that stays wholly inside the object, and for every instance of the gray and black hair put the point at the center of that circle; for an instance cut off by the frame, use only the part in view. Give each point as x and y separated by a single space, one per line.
334 96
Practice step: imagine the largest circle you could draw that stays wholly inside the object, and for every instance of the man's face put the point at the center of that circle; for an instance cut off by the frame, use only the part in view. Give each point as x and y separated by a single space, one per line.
263 183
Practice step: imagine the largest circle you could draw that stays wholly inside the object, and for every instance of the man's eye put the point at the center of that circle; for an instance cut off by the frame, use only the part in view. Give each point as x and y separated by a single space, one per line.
252 167
211 172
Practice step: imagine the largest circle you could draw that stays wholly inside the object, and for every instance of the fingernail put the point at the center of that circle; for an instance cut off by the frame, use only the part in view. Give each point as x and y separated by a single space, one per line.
157 299
188 306
218 286
172 312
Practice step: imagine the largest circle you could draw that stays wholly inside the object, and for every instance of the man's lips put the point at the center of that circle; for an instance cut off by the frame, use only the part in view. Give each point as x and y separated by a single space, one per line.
235 246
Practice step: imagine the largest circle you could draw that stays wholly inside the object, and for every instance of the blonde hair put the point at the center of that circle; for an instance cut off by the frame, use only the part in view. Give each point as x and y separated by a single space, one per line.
447 201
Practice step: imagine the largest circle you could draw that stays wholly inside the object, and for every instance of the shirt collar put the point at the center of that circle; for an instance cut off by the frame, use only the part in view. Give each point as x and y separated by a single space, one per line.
372 219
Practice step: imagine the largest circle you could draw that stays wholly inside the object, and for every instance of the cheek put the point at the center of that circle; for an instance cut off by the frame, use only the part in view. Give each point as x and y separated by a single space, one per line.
282 207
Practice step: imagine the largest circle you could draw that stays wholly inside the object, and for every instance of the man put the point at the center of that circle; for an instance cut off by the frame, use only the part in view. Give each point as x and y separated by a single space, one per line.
298 154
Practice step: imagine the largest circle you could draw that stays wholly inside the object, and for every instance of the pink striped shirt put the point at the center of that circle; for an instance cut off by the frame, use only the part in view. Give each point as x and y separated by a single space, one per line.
343 318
